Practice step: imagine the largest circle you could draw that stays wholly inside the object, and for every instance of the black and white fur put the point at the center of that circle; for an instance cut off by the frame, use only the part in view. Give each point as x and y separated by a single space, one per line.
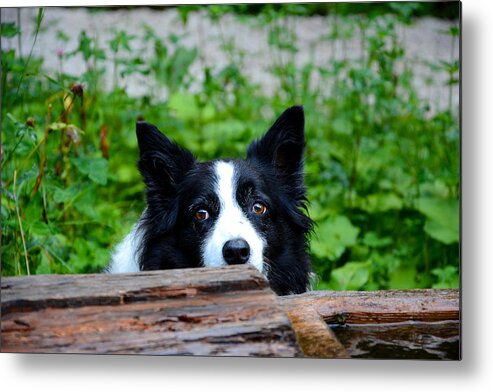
225 211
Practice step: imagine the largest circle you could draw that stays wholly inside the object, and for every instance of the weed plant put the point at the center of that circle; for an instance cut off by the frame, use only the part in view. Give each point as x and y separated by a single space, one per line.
382 169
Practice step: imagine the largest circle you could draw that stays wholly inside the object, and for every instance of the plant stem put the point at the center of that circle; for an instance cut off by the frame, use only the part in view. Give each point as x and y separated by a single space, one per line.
16 201
38 26
25 161
19 36
115 72
352 178
42 162
451 75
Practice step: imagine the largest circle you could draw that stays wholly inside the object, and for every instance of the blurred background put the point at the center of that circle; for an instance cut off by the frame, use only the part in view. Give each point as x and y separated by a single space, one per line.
380 87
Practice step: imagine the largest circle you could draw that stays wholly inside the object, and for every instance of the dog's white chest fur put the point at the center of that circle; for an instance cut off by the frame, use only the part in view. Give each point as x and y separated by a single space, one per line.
126 255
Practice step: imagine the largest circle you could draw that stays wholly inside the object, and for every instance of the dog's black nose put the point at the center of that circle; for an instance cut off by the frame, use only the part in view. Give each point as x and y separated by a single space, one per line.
236 251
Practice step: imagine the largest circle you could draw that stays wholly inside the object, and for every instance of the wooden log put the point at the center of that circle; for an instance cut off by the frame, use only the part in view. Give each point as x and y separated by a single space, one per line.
405 340
377 307
224 311
227 311
409 324
315 338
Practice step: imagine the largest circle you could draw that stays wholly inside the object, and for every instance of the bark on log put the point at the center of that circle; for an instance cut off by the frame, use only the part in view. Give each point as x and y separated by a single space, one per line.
379 307
408 324
315 338
222 312
226 311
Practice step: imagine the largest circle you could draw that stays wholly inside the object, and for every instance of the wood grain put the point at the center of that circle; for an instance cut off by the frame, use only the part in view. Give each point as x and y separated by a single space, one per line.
378 307
227 311
312 313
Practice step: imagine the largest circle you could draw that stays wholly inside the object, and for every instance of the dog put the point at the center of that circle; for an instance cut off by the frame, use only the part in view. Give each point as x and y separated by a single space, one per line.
225 211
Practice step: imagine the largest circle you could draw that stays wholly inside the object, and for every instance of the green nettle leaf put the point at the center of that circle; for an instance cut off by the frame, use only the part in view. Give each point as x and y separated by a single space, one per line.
334 235
442 221
351 276
95 168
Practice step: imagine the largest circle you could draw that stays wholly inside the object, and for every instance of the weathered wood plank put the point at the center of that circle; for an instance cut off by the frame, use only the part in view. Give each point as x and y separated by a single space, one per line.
225 311
315 338
407 340
376 307
380 324
29 293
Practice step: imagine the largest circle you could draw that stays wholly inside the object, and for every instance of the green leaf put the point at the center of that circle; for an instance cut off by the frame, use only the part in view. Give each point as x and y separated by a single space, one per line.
62 195
351 276
180 63
39 19
99 172
86 204
403 278
372 240
44 266
442 221
9 30
334 235
38 230
445 234
95 168
454 31
381 202
448 277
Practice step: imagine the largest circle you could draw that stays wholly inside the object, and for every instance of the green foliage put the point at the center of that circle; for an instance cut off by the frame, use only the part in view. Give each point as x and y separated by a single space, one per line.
334 235
352 276
382 169
442 219
448 277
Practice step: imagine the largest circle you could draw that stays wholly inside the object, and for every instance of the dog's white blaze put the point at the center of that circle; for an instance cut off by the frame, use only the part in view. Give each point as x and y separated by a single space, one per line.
125 258
231 223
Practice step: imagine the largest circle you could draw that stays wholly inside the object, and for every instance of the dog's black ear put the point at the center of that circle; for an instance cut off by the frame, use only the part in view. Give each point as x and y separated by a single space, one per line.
162 163
283 144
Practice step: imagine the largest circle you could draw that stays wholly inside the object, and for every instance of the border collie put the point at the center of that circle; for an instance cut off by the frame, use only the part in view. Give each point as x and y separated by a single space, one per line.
225 211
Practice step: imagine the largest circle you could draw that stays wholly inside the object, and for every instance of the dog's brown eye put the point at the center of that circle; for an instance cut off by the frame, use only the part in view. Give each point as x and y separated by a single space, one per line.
201 215
259 209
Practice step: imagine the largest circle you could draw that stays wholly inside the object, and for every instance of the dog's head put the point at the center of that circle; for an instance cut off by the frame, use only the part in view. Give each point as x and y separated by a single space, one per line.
228 211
